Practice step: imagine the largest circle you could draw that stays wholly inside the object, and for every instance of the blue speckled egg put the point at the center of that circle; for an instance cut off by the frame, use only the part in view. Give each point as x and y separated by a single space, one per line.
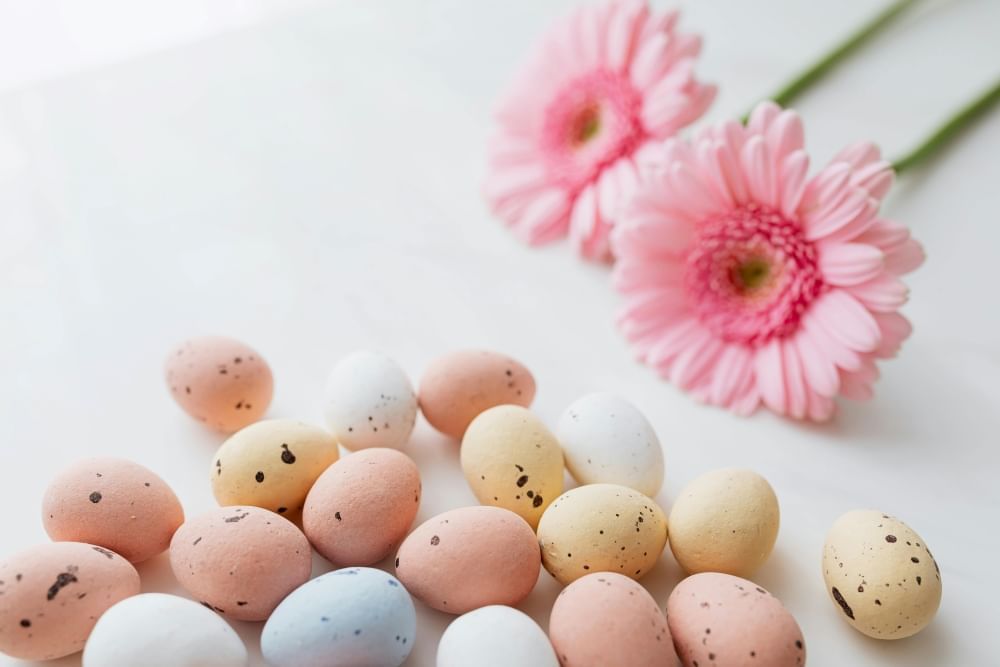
348 617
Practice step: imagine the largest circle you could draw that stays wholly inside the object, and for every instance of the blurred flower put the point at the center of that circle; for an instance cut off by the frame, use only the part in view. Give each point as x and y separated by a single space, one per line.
603 86
747 282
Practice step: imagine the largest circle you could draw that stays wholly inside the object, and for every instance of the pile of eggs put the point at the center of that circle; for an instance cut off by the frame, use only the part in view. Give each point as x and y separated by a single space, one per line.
284 490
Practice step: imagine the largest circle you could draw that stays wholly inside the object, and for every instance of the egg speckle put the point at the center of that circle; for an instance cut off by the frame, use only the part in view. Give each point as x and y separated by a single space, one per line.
511 460
361 508
495 636
52 594
219 381
113 503
601 528
271 464
458 386
881 575
240 561
370 402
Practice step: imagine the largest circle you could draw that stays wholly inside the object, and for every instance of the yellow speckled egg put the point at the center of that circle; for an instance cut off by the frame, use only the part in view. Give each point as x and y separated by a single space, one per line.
512 460
51 596
272 464
724 521
601 528
881 575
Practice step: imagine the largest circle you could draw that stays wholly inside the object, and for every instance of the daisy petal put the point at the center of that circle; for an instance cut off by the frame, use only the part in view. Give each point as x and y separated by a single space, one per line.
849 263
883 294
795 384
895 329
844 318
817 366
770 376
545 219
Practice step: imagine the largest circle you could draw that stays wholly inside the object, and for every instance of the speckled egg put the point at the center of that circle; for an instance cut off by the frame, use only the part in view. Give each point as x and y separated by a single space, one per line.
606 439
159 630
240 561
468 558
601 528
113 503
51 595
370 402
355 616
272 464
724 521
495 636
460 385
719 619
220 381
881 575
608 619
512 460
361 508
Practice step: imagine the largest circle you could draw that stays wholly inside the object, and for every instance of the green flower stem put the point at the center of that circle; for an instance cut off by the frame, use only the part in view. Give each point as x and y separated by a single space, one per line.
951 127
814 72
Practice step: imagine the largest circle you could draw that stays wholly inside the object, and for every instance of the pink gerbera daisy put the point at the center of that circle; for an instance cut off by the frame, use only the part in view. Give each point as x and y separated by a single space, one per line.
605 84
747 282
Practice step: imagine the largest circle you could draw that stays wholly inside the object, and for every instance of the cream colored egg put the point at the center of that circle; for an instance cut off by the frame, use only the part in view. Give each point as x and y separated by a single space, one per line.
881 575
724 521
512 460
272 464
601 528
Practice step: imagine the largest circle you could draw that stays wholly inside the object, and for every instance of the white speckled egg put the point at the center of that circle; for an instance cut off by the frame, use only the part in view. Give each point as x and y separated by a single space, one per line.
370 402
349 617
881 575
724 521
159 630
601 528
512 460
606 439
495 636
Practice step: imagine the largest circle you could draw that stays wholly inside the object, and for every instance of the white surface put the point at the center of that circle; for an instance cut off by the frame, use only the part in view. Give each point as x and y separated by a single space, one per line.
312 186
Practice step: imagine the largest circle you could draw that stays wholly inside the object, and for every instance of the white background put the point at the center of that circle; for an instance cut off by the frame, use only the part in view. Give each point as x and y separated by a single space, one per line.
307 178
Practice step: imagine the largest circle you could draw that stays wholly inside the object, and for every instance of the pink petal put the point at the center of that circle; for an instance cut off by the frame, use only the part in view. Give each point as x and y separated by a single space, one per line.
824 187
785 135
908 257
857 386
712 174
856 226
877 178
793 181
849 263
758 171
858 155
844 318
762 116
882 294
589 232
770 376
821 408
839 353
895 329
637 273
650 303
817 365
795 384
693 363
744 404
651 237
731 373
623 31
697 198
836 213
650 61
545 219
677 338
512 182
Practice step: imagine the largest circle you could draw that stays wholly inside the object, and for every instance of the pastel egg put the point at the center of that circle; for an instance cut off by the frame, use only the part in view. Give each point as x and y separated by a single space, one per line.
240 561
113 503
344 618
272 464
159 630
219 381
881 575
601 528
719 619
724 521
458 386
495 636
512 460
370 402
606 439
361 508
468 558
52 594
608 619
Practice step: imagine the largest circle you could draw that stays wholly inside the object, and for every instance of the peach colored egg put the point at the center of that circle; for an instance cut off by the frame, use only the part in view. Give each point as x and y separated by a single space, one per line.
468 558
720 619
361 508
219 381
608 619
51 596
460 385
240 561
114 503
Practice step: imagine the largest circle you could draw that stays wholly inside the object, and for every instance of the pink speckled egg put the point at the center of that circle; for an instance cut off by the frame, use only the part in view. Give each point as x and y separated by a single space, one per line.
607 618
459 386
114 503
362 506
468 558
51 596
220 381
720 619
240 561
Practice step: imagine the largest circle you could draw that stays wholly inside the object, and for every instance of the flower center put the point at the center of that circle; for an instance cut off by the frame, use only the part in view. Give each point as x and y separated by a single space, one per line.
751 274
589 124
